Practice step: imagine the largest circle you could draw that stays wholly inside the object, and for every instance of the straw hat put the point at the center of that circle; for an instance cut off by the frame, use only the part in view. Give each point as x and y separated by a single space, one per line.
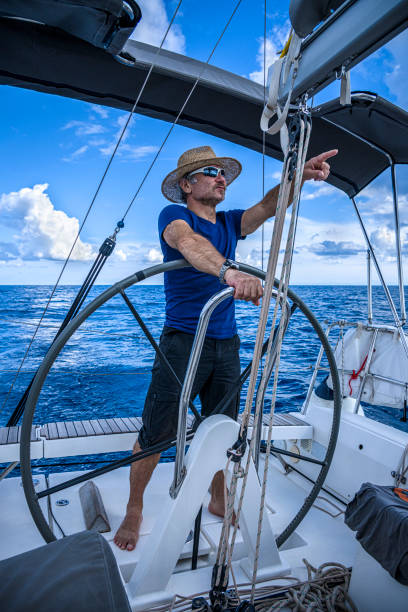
193 159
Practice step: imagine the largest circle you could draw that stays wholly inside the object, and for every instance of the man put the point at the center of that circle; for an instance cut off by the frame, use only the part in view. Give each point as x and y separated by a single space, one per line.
207 240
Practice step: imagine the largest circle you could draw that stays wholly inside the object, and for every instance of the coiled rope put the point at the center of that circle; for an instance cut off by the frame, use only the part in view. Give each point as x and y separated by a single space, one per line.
325 590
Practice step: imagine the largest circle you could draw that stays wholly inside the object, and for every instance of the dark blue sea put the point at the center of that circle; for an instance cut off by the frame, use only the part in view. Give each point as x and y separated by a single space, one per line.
104 370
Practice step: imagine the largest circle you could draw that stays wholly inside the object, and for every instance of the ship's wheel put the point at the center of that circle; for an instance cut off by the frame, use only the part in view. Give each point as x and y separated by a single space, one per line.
296 305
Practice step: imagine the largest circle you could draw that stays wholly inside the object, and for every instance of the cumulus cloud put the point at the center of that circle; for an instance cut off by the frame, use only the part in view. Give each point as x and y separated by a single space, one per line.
332 249
105 138
39 230
315 189
154 255
396 78
76 154
274 44
154 24
131 152
84 128
99 110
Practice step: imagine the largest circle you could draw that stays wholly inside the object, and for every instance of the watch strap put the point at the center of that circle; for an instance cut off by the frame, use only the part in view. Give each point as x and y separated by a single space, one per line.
228 263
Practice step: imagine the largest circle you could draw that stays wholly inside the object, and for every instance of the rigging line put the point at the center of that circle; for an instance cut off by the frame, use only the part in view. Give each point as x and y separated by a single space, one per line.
263 138
90 207
181 110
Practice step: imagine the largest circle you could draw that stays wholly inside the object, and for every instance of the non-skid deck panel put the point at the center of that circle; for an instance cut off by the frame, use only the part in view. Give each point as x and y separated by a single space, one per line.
93 427
12 435
280 419
117 425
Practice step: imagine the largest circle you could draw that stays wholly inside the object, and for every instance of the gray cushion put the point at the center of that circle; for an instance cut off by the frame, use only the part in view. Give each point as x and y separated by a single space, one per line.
75 574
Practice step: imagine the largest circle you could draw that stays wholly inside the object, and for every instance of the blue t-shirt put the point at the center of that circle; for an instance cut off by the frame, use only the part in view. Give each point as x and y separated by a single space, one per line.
187 290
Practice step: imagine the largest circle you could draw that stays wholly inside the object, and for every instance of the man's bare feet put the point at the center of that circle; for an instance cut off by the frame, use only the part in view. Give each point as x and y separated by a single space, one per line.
218 508
128 533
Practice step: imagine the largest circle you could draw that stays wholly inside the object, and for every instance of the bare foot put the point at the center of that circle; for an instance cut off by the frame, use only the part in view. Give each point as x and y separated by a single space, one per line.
128 533
218 508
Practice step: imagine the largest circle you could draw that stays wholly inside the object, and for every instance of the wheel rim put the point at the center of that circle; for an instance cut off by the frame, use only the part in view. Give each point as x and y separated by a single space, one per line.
25 448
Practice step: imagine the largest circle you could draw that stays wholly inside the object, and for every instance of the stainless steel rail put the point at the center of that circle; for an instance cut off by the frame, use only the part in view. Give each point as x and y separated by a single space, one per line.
398 244
179 466
364 373
369 289
398 322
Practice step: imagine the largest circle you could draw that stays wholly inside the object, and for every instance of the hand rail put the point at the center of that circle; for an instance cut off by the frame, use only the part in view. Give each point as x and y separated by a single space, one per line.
179 467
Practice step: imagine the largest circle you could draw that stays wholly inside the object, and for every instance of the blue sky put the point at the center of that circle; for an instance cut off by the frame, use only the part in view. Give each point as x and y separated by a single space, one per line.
55 151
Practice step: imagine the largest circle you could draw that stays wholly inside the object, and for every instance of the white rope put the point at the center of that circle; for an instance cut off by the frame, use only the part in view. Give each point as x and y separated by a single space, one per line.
282 291
325 589
283 199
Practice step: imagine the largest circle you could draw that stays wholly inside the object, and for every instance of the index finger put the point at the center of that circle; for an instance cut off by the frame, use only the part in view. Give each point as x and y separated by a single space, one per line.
323 156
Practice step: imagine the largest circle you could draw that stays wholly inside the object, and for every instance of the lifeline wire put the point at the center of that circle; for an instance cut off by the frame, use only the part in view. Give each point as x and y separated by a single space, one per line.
140 186
91 204
181 110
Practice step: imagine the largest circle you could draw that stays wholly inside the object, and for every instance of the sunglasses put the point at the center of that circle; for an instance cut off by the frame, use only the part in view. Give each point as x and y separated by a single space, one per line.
208 171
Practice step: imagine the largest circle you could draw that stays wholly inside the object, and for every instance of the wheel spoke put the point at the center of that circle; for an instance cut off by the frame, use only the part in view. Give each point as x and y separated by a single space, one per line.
281 451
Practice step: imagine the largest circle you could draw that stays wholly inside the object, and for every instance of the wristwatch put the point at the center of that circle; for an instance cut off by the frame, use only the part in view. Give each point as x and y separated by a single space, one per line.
228 263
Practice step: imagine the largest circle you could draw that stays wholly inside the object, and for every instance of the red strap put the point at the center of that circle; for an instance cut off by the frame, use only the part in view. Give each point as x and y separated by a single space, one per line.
402 493
355 374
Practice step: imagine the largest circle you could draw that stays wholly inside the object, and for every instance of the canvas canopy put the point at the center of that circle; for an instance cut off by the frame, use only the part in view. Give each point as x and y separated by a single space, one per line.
223 104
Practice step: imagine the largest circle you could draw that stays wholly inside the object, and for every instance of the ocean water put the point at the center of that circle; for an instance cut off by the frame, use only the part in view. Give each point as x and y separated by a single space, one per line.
104 370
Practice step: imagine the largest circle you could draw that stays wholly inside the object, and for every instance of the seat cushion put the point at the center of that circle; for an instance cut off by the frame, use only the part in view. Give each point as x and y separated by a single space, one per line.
75 574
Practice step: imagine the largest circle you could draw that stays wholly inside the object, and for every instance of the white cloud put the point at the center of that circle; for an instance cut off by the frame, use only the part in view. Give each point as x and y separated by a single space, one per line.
153 26
154 255
274 43
39 230
125 150
315 189
77 153
84 128
396 79
100 110
120 254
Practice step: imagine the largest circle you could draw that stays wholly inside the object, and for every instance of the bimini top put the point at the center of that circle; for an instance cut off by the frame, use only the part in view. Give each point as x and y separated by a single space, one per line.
371 135
223 104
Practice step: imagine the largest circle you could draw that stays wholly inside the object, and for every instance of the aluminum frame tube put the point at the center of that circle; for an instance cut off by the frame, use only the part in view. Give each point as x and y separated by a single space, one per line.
369 290
397 320
398 244
315 371
208 309
366 368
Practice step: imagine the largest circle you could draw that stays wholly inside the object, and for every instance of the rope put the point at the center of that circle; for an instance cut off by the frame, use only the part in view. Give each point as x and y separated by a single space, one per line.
283 289
326 590
263 137
220 577
87 213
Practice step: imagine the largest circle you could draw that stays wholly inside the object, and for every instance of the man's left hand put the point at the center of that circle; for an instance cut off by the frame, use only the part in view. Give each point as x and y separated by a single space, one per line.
317 168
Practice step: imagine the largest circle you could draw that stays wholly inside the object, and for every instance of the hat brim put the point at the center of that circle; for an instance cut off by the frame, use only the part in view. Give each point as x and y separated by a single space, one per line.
171 188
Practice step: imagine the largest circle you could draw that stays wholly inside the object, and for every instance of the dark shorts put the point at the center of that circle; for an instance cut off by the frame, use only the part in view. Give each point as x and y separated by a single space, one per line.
218 373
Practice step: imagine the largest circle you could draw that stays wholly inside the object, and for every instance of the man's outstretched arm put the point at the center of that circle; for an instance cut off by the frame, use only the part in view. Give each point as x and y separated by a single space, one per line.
201 254
316 168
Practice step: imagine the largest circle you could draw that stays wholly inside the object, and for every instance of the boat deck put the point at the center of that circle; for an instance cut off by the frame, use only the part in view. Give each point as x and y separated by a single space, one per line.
115 434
